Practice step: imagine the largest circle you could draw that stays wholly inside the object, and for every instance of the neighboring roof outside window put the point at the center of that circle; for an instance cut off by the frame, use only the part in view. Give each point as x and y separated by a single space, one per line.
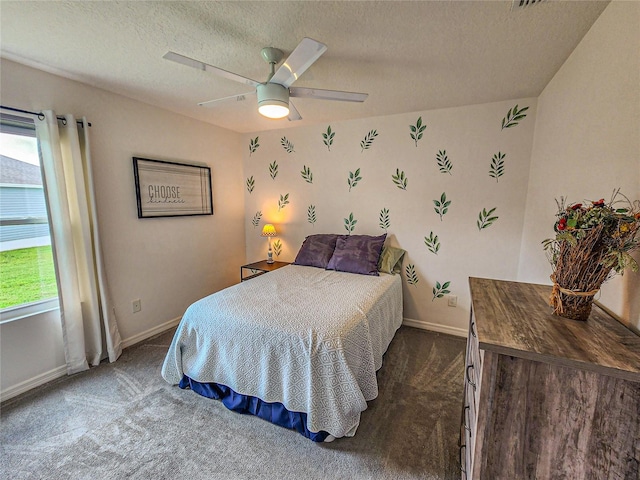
17 172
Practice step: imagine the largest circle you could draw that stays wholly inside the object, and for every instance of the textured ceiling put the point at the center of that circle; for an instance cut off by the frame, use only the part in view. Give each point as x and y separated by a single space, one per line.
408 56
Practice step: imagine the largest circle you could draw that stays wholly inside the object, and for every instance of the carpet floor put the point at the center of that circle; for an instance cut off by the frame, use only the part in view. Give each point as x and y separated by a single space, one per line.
122 420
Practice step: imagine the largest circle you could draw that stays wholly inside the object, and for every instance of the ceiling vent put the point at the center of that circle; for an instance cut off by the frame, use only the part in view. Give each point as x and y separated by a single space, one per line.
525 3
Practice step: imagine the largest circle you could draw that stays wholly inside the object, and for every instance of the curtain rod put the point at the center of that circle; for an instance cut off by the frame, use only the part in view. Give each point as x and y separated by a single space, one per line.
40 115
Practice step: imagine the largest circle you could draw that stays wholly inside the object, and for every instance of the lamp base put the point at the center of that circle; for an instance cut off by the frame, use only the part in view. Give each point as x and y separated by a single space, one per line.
269 257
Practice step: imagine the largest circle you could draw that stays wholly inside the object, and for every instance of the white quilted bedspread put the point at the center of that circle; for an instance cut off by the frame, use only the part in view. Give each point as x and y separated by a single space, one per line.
309 338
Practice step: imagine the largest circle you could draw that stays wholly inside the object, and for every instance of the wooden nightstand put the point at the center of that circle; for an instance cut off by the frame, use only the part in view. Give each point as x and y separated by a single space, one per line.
260 268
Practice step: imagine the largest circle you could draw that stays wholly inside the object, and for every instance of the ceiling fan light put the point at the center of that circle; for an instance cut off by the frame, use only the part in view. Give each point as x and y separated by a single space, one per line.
273 109
273 100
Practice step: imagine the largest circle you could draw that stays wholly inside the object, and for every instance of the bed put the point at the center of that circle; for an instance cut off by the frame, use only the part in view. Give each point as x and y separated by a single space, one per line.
299 346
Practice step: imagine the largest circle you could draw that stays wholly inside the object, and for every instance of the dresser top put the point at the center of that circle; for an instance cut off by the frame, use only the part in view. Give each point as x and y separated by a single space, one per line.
515 318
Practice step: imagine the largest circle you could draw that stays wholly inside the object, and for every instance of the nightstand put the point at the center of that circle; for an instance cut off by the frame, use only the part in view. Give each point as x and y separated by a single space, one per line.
260 268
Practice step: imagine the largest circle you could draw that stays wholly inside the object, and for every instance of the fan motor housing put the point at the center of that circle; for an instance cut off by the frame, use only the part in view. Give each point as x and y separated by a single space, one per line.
272 93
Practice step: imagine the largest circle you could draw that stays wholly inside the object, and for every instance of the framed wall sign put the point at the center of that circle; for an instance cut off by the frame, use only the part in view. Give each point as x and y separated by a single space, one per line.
168 189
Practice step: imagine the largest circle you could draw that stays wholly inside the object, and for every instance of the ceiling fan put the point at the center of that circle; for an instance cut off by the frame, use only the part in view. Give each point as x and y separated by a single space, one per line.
273 94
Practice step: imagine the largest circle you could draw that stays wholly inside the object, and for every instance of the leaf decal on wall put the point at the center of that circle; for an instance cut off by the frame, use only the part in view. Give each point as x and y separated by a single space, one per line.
277 247
365 144
273 170
251 183
287 145
385 221
327 138
284 200
485 219
442 205
440 291
350 223
306 174
399 179
513 117
432 243
497 166
311 214
443 162
412 276
354 178
253 145
256 218
417 130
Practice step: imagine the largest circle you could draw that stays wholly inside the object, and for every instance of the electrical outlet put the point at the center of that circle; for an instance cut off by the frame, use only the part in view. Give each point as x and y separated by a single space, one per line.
137 306
453 301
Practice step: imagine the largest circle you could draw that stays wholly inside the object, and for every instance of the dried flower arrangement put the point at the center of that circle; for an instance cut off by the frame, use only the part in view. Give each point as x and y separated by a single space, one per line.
592 244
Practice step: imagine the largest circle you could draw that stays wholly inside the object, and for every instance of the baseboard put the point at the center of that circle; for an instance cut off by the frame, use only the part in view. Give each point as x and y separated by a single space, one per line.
61 371
435 327
34 382
151 332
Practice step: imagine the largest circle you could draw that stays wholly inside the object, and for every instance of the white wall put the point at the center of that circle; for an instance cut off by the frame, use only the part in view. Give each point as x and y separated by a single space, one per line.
470 135
166 262
587 142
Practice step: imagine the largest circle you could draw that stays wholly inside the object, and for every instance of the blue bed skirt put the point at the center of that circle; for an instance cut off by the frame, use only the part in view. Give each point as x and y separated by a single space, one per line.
271 412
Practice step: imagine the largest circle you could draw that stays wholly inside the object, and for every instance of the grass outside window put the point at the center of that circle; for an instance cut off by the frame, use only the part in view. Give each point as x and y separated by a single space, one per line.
26 275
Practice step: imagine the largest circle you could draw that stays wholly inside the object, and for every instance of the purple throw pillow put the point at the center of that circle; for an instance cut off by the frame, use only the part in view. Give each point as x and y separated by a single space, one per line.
316 250
357 254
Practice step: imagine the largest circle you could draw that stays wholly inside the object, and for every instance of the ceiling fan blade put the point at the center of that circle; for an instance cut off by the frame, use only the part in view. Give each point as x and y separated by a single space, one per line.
197 64
293 113
307 52
327 94
237 98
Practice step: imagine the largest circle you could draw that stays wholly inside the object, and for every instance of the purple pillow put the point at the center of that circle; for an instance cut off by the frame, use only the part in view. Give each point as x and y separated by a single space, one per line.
357 254
316 250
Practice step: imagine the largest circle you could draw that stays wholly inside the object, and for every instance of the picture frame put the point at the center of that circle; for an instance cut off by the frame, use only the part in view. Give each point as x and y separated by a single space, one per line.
171 189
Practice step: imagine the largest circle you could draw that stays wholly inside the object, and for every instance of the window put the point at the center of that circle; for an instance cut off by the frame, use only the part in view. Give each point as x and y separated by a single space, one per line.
27 274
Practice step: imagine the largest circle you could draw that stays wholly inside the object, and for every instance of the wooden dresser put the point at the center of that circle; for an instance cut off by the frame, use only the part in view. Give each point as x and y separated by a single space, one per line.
547 397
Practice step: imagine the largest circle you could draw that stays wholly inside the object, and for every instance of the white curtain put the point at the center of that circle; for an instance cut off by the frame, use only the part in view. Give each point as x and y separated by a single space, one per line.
89 325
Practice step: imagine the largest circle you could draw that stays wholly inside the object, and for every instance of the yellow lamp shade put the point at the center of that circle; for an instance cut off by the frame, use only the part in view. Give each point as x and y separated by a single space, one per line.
269 230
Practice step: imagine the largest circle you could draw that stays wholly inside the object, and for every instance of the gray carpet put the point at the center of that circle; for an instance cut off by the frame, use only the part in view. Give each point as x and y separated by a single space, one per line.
122 420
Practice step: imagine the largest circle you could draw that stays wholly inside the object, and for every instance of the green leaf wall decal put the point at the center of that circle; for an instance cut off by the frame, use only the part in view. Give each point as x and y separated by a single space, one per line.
513 117
432 243
385 221
497 166
287 145
311 214
277 247
440 291
485 219
365 144
327 137
306 174
273 170
399 179
442 205
256 218
284 200
350 223
253 145
417 130
443 162
251 183
354 178
411 275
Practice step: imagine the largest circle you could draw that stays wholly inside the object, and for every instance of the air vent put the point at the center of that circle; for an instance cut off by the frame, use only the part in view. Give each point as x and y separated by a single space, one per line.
525 3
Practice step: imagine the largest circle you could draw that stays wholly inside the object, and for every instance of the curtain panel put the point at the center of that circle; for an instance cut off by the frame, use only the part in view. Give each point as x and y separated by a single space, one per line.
88 317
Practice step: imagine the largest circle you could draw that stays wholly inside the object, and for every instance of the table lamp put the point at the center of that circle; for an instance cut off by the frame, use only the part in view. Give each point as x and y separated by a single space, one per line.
269 231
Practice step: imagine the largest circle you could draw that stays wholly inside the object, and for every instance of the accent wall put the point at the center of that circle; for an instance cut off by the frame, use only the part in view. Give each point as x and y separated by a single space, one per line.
448 186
